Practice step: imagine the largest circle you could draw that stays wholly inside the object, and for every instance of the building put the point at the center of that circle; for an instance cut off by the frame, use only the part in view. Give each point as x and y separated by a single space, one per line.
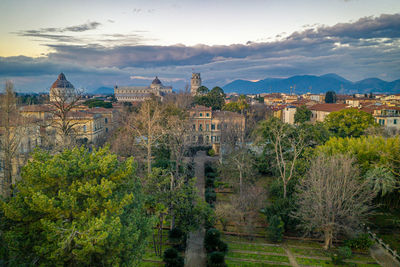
195 83
288 114
62 90
210 127
141 93
320 111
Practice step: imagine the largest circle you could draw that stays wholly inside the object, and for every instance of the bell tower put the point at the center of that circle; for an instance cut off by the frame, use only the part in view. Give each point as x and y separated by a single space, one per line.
195 83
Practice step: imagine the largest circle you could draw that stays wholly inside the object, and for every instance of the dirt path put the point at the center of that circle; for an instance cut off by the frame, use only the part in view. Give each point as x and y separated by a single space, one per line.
195 255
382 257
292 258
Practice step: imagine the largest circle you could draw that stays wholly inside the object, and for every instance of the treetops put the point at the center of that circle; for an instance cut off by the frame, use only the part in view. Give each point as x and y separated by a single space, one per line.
76 208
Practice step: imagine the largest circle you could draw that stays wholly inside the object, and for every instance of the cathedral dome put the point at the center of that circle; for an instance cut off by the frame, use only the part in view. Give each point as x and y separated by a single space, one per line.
62 82
156 81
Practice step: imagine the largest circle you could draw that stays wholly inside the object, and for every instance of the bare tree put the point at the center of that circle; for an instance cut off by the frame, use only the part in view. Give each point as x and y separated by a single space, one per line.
10 130
63 102
287 144
146 127
331 198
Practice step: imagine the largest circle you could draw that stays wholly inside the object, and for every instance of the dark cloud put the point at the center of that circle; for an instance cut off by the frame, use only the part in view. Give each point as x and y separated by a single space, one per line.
366 48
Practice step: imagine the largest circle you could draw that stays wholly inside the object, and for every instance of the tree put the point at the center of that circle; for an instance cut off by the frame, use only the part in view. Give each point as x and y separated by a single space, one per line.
214 98
349 122
331 197
286 142
202 90
330 97
275 229
11 132
146 127
302 114
76 208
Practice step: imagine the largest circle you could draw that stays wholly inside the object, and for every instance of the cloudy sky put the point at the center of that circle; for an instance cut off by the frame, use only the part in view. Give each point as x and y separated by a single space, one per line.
104 42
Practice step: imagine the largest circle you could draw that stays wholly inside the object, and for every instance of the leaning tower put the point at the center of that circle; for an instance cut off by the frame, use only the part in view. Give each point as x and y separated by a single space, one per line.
195 83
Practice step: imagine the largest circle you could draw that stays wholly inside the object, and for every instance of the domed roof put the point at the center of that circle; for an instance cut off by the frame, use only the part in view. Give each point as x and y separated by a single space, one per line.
62 82
156 81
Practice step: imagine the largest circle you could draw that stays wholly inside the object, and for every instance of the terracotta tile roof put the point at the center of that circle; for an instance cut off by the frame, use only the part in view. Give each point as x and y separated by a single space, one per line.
36 108
328 107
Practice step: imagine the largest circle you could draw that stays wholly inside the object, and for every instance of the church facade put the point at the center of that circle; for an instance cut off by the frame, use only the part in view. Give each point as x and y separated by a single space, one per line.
141 93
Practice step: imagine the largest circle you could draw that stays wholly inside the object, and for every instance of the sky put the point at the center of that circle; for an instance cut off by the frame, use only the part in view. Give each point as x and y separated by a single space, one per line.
120 42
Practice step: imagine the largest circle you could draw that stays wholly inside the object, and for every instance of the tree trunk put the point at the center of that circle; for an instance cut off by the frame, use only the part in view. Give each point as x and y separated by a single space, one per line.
328 237
284 189
240 183
148 157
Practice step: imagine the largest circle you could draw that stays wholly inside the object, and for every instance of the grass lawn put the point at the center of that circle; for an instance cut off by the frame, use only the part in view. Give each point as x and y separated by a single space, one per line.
302 243
315 262
309 252
250 264
255 240
260 257
150 264
256 247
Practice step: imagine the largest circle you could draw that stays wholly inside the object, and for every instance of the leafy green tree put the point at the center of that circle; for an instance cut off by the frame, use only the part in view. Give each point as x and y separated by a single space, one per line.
203 90
330 97
349 122
77 208
381 180
215 99
302 114
275 229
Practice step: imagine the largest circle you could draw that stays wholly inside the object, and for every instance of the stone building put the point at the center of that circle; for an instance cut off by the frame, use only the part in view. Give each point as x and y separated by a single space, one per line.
195 83
141 93
213 128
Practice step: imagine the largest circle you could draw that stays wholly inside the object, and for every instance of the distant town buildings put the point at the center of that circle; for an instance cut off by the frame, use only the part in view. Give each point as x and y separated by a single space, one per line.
141 93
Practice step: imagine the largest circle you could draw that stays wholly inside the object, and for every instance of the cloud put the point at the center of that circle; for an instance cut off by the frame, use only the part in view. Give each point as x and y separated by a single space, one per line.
367 47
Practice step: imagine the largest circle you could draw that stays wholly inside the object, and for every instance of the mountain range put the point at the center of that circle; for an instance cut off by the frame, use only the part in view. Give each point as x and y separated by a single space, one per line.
314 84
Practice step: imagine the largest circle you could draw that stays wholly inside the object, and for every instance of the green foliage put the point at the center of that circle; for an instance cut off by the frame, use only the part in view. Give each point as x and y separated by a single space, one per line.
275 229
91 103
360 242
210 195
211 152
330 97
203 90
381 180
349 122
213 242
370 151
172 258
302 115
342 254
76 208
238 106
216 259
214 98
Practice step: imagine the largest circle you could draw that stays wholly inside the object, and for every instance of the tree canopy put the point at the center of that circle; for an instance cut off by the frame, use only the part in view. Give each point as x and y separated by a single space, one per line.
302 114
330 97
214 98
77 208
349 122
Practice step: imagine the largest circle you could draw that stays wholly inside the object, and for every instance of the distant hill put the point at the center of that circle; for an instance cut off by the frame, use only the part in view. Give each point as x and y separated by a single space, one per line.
314 84
103 91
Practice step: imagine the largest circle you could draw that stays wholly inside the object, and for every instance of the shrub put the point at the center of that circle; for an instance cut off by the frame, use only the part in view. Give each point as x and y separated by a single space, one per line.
275 229
211 152
341 254
210 182
172 258
213 243
178 239
361 241
210 195
216 259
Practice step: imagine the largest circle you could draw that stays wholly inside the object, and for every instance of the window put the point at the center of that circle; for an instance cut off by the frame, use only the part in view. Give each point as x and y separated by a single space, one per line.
201 114
84 128
106 130
201 127
219 126
207 127
212 126
105 120
207 114
207 138
394 121
194 127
